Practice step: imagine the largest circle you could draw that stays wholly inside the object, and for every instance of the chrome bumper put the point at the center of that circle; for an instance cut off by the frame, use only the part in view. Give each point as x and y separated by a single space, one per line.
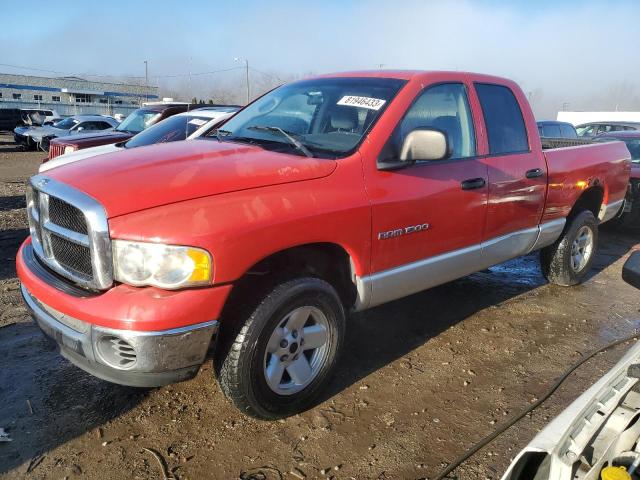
140 359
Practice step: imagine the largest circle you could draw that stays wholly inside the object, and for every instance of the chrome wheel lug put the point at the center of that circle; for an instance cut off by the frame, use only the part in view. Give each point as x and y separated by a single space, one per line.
284 343
294 334
284 358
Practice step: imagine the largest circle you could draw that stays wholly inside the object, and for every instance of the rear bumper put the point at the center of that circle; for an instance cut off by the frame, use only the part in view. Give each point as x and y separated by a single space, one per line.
609 211
140 359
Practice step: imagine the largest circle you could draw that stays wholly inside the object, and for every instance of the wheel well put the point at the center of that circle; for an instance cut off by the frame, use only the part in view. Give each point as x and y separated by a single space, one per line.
591 200
327 261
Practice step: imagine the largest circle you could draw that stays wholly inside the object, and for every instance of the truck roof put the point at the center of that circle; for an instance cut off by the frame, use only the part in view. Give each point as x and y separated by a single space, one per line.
419 74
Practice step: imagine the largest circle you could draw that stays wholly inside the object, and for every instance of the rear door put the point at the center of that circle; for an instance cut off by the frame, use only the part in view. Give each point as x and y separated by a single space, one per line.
428 217
517 175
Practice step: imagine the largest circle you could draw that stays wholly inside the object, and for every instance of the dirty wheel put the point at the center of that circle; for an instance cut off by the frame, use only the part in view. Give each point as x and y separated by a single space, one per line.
570 258
278 360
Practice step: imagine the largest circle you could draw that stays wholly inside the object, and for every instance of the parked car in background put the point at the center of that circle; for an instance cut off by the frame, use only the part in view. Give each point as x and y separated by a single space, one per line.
594 129
630 214
135 123
555 129
183 126
11 118
33 136
327 195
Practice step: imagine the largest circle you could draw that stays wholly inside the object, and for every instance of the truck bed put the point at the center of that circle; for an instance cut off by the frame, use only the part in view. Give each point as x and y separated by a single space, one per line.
572 169
549 143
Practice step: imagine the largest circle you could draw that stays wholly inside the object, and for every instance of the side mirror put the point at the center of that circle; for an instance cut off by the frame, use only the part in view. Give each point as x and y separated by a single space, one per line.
79 129
631 270
425 144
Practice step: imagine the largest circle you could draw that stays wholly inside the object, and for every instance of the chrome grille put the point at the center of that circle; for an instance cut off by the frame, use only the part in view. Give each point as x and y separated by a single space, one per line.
69 232
55 150
67 216
73 256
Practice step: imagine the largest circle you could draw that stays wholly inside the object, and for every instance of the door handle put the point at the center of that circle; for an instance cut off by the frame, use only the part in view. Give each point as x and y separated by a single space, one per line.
473 183
534 173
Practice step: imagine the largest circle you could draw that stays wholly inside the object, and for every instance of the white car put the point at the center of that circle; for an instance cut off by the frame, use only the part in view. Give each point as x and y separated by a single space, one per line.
598 435
183 126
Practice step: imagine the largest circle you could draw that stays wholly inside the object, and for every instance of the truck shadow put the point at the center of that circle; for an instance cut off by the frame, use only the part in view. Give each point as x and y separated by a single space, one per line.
380 336
10 241
12 202
46 401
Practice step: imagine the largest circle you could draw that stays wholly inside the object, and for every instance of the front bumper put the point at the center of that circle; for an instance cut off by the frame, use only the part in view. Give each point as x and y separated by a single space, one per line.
139 359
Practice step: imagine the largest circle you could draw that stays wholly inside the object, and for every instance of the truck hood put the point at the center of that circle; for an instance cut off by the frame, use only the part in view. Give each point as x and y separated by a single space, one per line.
132 180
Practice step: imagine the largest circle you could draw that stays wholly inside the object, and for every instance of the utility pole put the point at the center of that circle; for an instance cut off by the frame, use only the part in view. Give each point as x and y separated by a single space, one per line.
146 80
246 65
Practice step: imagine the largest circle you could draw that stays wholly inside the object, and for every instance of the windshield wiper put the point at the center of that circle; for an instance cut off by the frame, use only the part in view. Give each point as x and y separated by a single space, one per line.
294 141
220 132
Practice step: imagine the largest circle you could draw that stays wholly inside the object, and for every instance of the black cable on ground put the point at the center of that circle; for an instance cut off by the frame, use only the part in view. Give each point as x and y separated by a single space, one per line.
515 419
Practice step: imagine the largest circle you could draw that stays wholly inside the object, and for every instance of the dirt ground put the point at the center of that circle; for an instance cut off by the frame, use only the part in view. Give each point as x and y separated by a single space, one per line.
421 380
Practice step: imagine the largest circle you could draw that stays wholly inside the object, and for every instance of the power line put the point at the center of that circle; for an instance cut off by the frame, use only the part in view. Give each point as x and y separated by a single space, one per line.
265 73
96 75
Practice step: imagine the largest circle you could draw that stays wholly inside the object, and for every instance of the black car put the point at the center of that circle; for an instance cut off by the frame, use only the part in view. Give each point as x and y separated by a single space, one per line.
555 129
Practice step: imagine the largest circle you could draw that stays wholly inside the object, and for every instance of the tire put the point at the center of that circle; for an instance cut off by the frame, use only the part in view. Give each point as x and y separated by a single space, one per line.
561 262
272 339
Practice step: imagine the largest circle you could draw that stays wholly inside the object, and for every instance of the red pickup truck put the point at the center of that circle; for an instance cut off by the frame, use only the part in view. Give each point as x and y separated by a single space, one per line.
324 196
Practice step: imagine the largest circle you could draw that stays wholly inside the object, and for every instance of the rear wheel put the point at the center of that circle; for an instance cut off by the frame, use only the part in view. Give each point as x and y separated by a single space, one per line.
570 258
275 363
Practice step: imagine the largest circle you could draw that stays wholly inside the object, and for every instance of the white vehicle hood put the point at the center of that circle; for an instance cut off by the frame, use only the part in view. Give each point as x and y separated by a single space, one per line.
597 427
77 156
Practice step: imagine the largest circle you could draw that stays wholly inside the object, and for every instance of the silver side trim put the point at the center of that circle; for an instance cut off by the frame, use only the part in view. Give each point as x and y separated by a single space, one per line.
398 282
609 211
549 233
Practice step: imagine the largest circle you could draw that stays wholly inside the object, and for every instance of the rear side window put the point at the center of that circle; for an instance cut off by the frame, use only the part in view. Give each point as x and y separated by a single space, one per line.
503 119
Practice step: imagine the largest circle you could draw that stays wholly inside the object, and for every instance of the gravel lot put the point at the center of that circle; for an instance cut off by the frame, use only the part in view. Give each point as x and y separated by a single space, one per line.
421 380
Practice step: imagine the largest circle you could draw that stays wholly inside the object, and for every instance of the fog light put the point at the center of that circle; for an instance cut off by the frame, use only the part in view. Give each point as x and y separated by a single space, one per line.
116 352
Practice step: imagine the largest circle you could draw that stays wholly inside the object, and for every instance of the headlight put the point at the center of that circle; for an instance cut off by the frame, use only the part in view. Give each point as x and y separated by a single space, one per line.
69 149
163 266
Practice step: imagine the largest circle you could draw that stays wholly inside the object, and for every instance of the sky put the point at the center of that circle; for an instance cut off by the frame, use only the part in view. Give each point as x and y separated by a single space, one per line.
580 54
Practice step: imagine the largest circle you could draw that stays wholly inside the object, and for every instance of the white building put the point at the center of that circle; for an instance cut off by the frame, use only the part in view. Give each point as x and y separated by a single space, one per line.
72 95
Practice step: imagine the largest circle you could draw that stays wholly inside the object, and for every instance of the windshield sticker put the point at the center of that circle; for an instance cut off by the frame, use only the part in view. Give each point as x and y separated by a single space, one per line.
362 102
197 121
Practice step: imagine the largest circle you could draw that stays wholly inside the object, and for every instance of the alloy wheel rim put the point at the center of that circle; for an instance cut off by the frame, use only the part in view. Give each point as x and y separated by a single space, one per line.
297 350
582 249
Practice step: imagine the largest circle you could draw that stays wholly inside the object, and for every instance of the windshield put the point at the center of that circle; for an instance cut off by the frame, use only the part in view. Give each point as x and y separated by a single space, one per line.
329 117
172 129
138 121
67 123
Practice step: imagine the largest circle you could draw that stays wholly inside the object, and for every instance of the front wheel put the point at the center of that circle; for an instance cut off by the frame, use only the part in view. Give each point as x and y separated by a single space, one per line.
570 258
275 362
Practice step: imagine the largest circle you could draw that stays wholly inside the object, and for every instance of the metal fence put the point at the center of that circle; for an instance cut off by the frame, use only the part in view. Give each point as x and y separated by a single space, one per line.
68 109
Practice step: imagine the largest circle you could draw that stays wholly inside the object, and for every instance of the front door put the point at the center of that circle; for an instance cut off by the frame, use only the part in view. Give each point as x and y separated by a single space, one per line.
428 218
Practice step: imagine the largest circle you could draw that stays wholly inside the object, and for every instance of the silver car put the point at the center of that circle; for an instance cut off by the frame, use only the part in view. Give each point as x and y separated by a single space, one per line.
31 137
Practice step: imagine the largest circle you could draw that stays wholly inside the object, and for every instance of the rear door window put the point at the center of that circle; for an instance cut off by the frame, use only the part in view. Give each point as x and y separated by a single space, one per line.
503 119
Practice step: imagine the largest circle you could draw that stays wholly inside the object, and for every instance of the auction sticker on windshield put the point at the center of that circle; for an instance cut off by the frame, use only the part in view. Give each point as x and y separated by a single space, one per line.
363 102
